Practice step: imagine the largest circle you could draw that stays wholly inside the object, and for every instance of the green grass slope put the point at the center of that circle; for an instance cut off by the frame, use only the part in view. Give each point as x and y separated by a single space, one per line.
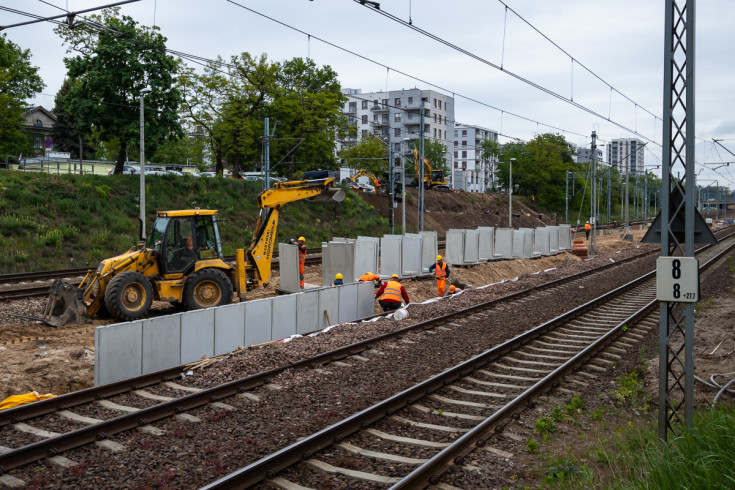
61 221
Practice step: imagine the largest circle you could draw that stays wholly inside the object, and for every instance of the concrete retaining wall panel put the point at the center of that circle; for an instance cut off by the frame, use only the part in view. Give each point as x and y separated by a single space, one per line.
329 302
340 259
283 319
366 258
161 343
504 243
390 255
325 272
307 311
365 299
519 240
527 242
429 250
258 320
565 237
555 239
288 260
485 242
197 335
471 246
454 253
118 352
542 241
411 255
229 328
347 303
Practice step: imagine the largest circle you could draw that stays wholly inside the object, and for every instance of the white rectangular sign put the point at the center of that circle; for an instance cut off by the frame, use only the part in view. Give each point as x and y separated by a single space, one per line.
58 154
677 279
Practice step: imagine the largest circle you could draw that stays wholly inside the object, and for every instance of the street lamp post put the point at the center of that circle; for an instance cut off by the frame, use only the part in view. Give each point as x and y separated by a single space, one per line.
510 194
143 92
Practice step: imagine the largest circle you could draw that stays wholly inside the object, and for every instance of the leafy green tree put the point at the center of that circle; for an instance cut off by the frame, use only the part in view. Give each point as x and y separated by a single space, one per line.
19 80
489 152
65 133
119 58
436 152
369 154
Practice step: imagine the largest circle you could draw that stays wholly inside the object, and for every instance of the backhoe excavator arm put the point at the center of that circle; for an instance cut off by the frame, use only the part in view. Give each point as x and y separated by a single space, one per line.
260 253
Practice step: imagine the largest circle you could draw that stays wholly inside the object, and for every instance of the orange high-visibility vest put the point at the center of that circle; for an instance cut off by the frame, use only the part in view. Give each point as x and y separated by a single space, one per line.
441 271
587 226
302 258
392 292
190 243
369 277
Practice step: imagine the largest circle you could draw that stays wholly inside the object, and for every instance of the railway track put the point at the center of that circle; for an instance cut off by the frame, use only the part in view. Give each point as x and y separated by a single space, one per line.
457 411
166 398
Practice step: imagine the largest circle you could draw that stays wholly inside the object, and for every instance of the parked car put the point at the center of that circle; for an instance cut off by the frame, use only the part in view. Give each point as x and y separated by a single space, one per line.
127 170
208 174
155 171
174 172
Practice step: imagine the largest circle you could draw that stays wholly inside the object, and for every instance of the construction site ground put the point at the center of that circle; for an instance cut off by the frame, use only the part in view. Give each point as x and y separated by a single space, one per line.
45 359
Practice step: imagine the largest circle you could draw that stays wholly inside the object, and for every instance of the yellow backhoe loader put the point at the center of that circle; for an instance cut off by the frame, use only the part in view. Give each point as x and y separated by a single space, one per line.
182 262
433 179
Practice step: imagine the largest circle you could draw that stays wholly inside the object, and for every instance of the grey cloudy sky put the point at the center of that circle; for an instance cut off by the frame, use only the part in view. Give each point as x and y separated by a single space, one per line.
621 41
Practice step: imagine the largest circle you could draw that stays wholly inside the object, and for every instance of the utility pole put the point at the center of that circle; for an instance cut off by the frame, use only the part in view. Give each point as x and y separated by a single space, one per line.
266 155
593 242
421 172
627 197
391 190
510 193
566 198
81 168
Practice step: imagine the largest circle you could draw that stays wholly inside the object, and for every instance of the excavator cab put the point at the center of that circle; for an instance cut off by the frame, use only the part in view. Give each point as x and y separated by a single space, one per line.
183 238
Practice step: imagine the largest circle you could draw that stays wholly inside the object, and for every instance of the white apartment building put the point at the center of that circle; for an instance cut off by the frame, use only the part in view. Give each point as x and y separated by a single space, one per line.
584 155
470 170
395 116
626 155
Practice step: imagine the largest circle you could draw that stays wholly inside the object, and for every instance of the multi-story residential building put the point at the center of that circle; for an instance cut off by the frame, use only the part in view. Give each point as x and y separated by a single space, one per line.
626 155
471 171
395 116
584 155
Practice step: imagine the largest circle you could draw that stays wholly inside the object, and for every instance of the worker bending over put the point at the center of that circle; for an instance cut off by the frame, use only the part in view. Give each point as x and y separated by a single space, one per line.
391 293
301 243
338 280
452 290
369 276
441 272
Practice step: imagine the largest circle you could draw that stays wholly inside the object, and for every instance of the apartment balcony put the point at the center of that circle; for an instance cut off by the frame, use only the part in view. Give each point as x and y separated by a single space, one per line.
415 106
416 135
379 108
380 124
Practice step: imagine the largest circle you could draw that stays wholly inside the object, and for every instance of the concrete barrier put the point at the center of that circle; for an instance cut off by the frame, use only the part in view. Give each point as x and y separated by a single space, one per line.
328 307
307 311
504 243
197 335
565 237
454 253
542 242
471 247
229 327
366 256
348 310
288 260
118 352
161 343
283 316
485 242
411 255
258 320
339 258
429 250
390 255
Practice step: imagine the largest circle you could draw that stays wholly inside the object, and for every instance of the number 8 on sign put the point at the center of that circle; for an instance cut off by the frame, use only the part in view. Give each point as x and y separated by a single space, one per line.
677 279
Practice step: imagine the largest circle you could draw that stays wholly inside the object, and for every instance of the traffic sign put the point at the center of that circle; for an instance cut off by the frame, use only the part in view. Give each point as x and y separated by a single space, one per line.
48 142
677 279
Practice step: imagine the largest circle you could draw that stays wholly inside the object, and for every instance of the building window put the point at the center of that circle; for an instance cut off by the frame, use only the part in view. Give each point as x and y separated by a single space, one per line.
38 141
397 117
434 132
440 134
464 154
398 102
456 144
464 132
455 135
375 117
364 104
464 144
397 146
455 154
364 133
410 100
384 118
385 103
434 102
353 107
364 119
396 131
440 104
38 123
435 117
456 165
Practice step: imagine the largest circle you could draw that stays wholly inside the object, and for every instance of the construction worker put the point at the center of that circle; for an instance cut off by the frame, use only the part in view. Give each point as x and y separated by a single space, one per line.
369 276
587 229
301 242
452 290
338 280
441 272
391 293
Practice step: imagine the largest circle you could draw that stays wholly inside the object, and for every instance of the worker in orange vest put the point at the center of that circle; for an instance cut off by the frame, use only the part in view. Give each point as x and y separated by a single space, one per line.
369 276
338 279
441 272
391 293
452 290
587 229
301 243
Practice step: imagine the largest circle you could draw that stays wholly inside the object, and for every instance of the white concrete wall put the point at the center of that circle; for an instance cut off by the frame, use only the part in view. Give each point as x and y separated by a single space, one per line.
471 247
454 252
288 260
429 250
390 255
411 250
504 243
486 242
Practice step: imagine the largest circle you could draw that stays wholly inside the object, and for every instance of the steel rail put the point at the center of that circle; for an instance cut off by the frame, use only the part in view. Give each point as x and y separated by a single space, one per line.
55 445
269 466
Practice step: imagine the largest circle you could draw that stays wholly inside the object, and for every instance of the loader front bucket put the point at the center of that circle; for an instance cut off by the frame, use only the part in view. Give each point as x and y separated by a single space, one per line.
330 194
65 305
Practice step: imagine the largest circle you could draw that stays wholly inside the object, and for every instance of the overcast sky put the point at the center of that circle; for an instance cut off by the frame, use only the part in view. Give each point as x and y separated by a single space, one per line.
621 41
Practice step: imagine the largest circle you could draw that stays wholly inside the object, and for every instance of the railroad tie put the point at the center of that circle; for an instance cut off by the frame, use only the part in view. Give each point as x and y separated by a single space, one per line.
413 423
12 482
360 475
476 393
405 440
79 418
463 416
378 455
498 452
286 485
462 403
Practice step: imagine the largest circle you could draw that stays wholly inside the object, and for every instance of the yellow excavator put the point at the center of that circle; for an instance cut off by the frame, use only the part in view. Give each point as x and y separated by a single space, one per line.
433 179
377 183
182 262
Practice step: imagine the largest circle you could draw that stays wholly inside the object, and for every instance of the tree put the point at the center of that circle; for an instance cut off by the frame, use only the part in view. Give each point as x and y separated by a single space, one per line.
65 134
19 80
369 154
436 152
489 151
118 58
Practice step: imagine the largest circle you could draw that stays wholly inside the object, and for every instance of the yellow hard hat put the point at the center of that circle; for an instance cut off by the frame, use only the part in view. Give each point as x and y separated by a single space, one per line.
338 276
302 239
438 257
368 273
394 276
452 289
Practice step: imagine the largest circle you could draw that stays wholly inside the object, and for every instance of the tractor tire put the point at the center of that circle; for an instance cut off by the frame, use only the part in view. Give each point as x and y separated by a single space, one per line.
207 288
129 296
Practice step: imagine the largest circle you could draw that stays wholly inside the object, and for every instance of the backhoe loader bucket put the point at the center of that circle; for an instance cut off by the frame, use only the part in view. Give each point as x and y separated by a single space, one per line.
331 194
65 305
